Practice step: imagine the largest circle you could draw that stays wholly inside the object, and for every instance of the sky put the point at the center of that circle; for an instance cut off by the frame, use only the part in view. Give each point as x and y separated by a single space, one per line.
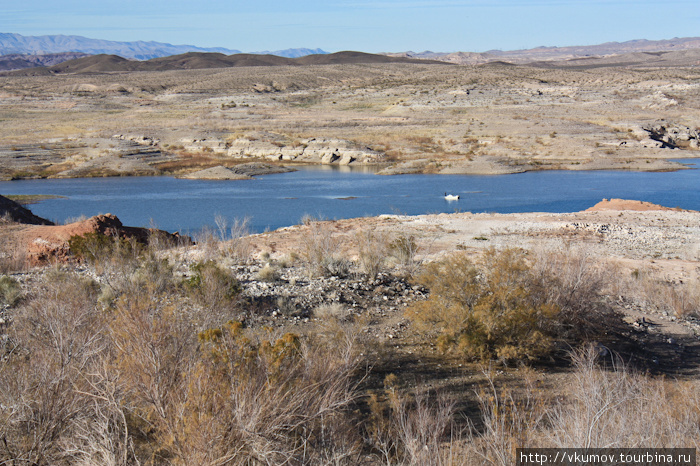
369 26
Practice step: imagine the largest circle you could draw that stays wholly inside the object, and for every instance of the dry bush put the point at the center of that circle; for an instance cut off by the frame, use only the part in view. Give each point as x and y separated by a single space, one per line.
333 311
682 299
125 266
208 244
573 279
320 249
275 402
404 249
509 422
153 351
13 258
269 273
409 429
373 251
57 337
605 405
239 246
618 408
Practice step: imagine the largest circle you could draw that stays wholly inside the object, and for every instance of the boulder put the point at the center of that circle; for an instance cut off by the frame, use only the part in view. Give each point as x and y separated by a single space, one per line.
329 158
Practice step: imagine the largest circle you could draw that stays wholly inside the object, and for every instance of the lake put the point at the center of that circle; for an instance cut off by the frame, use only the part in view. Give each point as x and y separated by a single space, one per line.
274 201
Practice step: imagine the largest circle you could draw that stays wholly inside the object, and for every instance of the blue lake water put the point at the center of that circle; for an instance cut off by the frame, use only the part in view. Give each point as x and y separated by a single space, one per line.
274 201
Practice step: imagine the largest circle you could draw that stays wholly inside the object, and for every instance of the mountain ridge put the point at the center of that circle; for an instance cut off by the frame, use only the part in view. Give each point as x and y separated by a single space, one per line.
17 44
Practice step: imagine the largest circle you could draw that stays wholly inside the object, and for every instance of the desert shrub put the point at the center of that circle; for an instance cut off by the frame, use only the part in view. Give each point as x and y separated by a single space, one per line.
290 399
332 311
229 398
152 354
320 249
681 299
487 312
404 249
269 273
409 429
610 405
12 257
153 274
215 287
208 244
239 247
125 267
372 251
574 280
99 248
57 340
512 306
10 290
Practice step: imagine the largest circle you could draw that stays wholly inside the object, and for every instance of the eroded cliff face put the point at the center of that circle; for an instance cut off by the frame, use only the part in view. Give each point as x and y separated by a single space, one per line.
275 147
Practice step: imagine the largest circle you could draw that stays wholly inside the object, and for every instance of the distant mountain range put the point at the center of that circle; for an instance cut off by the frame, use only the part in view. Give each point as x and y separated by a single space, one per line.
139 50
558 53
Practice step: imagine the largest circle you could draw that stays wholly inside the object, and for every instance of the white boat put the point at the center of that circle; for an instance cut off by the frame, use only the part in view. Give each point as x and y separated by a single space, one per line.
451 197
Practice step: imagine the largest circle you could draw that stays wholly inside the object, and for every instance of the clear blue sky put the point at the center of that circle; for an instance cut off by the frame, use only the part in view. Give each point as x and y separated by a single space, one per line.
370 26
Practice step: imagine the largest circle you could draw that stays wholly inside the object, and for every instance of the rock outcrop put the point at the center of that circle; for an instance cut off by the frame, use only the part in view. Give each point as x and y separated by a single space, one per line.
215 173
673 136
244 171
109 165
274 147
51 242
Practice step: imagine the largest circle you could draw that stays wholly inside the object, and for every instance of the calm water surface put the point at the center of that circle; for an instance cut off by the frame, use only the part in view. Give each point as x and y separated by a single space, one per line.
274 201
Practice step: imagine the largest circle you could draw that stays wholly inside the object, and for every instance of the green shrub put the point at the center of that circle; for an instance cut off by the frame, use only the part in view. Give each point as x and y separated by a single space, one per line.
214 286
10 291
96 247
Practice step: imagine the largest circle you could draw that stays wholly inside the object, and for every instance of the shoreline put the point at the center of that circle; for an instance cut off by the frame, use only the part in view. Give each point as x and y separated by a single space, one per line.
386 169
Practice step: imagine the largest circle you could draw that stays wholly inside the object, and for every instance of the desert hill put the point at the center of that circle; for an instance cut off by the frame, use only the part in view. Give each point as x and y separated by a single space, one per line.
682 58
20 61
195 60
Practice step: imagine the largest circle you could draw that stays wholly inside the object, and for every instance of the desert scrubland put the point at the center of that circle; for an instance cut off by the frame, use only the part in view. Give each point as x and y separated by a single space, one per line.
436 118
425 340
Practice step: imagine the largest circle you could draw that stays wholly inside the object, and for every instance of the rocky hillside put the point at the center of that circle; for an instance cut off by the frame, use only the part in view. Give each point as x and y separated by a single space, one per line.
12 211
